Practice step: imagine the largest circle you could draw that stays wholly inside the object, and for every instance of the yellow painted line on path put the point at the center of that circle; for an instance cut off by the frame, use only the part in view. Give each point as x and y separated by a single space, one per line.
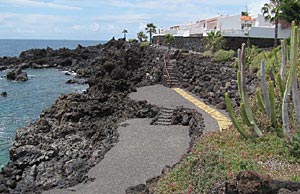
221 119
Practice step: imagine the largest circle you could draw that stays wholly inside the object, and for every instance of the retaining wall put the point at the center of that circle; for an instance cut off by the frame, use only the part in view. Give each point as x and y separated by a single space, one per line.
197 43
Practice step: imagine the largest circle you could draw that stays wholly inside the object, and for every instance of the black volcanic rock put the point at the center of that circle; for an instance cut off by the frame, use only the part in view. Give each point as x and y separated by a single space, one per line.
4 94
73 134
211 80
17 74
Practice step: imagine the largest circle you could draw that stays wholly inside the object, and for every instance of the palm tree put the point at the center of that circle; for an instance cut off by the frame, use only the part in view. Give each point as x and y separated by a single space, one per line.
214 41
272 12
141 36
124 32
151 28
168 39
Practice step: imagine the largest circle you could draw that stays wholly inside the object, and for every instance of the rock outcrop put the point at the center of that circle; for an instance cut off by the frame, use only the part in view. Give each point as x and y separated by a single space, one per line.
17 75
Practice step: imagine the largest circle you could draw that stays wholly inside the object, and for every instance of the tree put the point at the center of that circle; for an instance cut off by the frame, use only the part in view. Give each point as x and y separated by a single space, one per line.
214 41
272 12
168 39
151 28
124 32
141 36
286 10
290 11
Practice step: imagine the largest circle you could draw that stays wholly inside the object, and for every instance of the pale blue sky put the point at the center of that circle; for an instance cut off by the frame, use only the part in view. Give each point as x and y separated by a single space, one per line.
101 20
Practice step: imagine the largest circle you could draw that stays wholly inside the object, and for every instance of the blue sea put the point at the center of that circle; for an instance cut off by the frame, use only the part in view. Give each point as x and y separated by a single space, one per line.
25 101
11 47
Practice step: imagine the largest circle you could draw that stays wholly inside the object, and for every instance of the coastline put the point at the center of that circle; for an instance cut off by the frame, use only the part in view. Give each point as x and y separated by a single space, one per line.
75 133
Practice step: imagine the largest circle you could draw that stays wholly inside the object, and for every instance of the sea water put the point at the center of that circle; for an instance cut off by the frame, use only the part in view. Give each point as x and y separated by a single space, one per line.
12 47
26 100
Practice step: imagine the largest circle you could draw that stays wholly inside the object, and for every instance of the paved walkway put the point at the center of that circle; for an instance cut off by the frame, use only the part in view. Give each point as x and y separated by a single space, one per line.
143 150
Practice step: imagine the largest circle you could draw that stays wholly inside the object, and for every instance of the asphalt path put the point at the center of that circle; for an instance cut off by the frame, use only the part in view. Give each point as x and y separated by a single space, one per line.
143 150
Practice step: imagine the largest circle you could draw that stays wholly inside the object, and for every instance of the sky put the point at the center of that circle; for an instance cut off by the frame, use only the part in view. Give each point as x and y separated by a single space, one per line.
104 19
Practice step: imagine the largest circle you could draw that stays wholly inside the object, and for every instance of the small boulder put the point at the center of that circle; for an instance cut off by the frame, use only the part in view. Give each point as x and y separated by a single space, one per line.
139 189
17 74
4 94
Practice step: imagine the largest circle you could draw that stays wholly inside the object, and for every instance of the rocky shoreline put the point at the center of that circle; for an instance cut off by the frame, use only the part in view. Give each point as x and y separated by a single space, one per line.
75 133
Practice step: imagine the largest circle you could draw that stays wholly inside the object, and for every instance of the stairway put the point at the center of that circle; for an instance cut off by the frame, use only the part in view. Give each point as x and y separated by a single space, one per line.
164 117
170 71
171 67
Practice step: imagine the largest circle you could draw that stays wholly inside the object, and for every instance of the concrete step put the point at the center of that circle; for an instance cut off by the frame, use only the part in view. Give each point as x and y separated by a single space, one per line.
162 123
166 116
163 120
166 110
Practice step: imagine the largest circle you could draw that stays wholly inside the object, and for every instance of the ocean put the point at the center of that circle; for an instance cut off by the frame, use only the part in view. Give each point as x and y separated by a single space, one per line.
25 101
11 47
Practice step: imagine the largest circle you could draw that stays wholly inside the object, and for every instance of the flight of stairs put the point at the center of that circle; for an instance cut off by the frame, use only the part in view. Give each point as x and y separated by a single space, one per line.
171 68
164 117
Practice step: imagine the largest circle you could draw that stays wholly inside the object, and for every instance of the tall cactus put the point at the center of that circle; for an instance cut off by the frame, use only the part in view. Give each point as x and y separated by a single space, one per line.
295 92
283 59
290 82
264 89
244 96
234 120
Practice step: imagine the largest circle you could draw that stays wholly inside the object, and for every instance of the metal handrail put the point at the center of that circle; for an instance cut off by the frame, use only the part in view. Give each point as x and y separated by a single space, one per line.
166 60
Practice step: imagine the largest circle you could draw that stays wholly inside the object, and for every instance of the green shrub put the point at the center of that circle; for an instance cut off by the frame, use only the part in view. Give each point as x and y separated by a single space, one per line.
147 43
272 60
207 54
223 55
132 40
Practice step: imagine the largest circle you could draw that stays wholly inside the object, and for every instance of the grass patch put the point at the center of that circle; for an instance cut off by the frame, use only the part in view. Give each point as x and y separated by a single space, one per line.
217 157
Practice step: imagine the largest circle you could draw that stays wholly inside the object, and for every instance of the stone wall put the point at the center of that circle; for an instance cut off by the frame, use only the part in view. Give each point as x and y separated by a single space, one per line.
197 43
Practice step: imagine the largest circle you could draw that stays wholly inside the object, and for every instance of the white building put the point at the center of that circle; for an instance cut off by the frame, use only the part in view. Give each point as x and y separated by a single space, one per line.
231 26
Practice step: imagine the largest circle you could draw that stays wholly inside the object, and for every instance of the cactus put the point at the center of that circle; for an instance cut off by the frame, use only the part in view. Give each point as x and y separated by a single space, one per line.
260 102
286 83
244 115
295 92
264 89
234 120
280 84
283 59
244 96
290 82
272 104
239 82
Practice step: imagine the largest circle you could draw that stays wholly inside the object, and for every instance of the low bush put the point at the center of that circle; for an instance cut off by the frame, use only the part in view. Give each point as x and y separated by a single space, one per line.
223 55
132 40
147 43
207 54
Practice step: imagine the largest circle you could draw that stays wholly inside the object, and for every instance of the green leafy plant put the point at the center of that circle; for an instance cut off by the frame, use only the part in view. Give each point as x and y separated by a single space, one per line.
141 36
168 39
214 41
